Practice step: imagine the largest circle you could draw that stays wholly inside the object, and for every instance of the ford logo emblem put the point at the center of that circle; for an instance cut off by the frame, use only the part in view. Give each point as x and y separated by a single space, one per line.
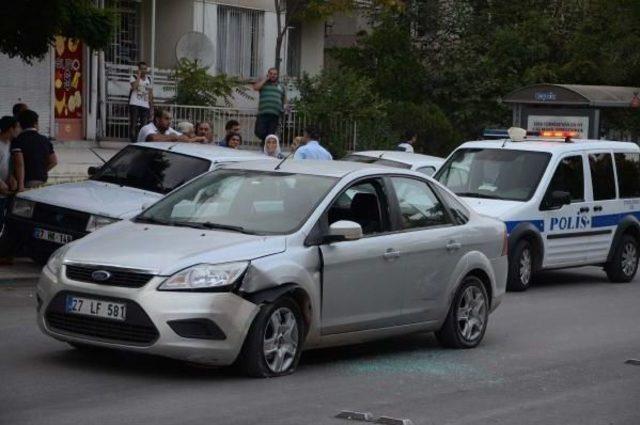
100 275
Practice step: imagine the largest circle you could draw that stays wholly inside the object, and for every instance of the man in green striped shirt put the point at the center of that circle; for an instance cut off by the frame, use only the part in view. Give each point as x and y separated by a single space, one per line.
271 104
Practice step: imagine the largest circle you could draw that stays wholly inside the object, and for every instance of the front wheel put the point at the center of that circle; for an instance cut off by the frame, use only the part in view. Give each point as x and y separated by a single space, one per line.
624 264
520 267
468 315
274 342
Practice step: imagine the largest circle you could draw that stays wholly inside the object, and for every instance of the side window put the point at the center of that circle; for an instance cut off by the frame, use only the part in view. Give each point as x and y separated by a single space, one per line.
361 203
628 168
428 170
418 205
458 210
569 177
602 178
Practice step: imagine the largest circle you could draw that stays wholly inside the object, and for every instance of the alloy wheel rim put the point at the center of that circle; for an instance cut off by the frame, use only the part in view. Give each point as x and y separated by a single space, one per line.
472 313
280 341
525 267
629 258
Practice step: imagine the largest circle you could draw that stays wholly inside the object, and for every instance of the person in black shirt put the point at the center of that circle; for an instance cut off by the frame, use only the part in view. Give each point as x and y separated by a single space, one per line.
32 153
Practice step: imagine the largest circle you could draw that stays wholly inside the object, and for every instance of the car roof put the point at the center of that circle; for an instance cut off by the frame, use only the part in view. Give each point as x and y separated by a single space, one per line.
211 152
553 146
337 169
404 157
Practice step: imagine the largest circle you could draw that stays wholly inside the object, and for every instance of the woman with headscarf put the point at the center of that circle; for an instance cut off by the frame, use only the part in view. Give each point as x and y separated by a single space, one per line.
272 147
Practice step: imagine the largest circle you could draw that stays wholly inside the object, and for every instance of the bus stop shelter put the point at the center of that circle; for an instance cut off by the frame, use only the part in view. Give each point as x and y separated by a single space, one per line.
568 107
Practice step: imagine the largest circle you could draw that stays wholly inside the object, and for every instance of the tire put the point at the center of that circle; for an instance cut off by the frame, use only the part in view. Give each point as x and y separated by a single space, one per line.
520 267
271 326
623 266
458 332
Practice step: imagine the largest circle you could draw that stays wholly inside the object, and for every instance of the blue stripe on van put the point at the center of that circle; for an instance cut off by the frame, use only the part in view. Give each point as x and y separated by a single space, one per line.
539 224
611 219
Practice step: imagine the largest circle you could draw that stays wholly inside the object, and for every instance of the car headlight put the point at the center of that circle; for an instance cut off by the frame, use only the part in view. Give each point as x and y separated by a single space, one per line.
23 208
97 221
55 261
205 277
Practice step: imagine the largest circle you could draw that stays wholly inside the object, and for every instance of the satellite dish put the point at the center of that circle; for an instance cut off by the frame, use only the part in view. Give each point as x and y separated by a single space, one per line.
196 47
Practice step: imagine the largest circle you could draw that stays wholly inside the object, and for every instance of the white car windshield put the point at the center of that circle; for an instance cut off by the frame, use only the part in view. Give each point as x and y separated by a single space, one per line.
494 173
151 169
253 202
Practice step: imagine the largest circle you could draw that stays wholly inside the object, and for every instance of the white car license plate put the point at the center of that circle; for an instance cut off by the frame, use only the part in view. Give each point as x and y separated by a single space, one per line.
48 235
96 308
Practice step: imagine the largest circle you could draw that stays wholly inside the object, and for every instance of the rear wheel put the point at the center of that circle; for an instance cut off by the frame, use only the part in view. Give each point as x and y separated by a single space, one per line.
520 267
468 315
624 264
274 342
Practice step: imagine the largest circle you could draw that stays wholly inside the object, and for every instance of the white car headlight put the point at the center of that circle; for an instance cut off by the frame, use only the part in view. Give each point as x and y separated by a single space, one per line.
97 221
55 261
23 208
205 276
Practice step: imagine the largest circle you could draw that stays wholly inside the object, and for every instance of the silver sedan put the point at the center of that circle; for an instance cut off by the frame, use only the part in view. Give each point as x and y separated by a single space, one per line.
252 263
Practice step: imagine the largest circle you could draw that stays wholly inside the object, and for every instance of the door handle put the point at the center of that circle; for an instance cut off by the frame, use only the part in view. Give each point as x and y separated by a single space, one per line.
453 246
585 209
597 208
391 254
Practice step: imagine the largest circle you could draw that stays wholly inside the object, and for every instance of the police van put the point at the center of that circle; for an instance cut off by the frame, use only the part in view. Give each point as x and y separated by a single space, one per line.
566 202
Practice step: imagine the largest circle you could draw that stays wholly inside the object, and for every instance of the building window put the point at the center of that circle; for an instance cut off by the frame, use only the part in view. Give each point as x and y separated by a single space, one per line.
240 34
124 48
294 49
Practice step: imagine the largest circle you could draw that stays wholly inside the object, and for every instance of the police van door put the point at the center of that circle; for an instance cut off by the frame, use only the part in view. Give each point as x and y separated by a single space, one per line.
567 227
606 209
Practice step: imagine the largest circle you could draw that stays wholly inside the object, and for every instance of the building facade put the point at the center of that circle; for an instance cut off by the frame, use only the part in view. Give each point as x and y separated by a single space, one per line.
81 94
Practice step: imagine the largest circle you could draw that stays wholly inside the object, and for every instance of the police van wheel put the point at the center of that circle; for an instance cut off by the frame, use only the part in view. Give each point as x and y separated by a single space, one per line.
624 264
520 267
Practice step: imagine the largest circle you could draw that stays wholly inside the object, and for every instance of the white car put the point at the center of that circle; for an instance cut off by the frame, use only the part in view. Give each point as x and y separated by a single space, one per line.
42 220
424 164
255 262
565 203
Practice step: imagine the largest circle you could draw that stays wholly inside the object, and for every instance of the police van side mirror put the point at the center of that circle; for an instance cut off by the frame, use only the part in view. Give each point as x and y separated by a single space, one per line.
556 200
92 171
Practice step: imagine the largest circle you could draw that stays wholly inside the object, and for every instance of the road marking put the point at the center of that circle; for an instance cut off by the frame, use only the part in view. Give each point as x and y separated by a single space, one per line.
368 417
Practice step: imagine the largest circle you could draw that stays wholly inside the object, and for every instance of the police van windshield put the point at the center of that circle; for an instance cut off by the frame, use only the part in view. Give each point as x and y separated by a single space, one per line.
494 173
151 169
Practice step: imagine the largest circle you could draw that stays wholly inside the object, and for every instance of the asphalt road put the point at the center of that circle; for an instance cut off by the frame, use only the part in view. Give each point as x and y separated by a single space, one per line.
553 355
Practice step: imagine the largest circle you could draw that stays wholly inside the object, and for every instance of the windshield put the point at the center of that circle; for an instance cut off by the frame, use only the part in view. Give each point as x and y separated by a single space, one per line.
494 173
151 169
376 160
252 202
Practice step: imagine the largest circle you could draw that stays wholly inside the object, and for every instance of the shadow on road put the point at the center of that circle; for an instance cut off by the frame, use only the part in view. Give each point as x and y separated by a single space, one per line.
570 277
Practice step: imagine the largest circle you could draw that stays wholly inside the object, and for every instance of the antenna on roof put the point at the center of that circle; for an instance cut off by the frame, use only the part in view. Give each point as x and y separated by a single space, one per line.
283 160
381 155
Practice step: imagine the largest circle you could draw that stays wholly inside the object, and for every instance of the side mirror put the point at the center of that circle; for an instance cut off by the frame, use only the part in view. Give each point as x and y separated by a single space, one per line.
557 199
92 171
343 230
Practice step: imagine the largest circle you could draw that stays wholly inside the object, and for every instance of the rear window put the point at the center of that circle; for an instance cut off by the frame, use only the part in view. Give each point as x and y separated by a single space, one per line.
151 169
377 161
602 180
628 168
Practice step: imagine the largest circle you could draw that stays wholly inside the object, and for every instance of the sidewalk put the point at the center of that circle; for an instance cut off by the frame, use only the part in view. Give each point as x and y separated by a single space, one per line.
75 157
24 271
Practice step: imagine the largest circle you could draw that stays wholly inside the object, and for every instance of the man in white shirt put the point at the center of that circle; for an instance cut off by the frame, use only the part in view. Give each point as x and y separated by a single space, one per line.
159 130
411 137
140 100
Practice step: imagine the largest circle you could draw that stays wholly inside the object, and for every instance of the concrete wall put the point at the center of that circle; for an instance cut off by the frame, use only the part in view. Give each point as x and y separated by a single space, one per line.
312 47
174 18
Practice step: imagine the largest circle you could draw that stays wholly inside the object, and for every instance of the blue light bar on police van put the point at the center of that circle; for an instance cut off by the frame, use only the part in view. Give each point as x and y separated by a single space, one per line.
502 133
